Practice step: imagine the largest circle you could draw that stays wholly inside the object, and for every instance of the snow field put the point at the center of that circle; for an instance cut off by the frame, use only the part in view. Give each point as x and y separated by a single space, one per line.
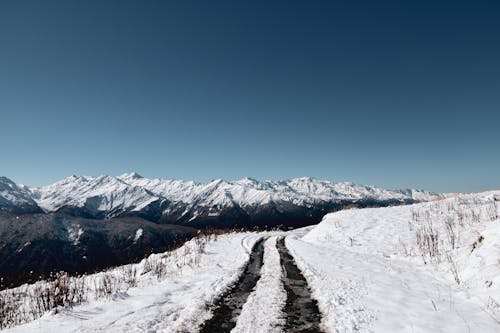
369 273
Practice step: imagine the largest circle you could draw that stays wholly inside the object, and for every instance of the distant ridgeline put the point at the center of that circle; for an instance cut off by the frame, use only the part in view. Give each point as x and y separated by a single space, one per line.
82 224
244 203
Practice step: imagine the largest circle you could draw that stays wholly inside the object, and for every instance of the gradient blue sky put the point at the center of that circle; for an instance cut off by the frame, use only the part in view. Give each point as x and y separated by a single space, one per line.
390 93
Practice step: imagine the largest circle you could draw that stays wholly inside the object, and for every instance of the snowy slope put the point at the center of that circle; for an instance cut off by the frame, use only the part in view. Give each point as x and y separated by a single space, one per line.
16 198
175 303
95 194
369 273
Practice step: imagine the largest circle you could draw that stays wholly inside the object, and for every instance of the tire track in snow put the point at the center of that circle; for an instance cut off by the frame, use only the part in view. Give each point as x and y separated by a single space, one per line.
302 312
263 310
228 306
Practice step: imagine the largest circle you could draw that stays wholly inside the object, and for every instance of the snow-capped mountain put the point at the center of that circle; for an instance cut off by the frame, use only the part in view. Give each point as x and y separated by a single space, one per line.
16 198
246 201
250 192
102 196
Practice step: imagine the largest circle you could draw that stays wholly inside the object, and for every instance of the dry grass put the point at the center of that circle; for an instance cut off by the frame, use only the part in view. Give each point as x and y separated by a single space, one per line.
439 227
26 303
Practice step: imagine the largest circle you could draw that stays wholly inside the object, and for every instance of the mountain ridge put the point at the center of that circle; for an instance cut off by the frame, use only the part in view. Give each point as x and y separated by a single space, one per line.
189 202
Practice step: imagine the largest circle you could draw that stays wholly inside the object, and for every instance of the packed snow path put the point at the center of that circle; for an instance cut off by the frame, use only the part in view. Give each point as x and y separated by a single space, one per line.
302 313
228 306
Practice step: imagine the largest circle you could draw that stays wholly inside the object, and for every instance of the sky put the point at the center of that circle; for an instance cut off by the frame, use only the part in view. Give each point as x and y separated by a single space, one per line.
396 94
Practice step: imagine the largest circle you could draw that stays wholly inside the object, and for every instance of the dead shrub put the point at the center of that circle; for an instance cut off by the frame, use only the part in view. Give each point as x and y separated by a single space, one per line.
451 231
129 273
428 242
159 269
106 285
453 268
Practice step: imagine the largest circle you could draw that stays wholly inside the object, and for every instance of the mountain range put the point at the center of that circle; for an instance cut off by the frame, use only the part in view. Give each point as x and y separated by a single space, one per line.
219 203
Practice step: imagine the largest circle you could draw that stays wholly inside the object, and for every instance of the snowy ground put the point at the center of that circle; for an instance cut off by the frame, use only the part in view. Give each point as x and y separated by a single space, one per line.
367 272
431 267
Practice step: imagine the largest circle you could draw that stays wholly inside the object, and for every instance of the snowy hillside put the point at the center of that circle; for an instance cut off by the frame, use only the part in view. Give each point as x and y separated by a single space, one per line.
15 198
104 194
431 267
165 292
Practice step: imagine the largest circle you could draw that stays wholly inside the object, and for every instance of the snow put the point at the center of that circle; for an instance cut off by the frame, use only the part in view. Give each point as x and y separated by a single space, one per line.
97 194
12 194
250 192
178 303
262 311
366 271
23 246
138 235
74 234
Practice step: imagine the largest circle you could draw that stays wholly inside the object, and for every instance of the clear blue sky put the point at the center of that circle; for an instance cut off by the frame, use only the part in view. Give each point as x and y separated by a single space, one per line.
390 93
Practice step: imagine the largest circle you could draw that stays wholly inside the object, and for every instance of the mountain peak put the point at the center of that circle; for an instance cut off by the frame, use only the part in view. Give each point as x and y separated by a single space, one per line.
6 181
130 175
16 198
304 179
247 180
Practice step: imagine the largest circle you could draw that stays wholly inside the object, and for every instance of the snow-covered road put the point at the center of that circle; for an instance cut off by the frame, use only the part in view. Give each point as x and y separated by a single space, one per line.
280 302
228 306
